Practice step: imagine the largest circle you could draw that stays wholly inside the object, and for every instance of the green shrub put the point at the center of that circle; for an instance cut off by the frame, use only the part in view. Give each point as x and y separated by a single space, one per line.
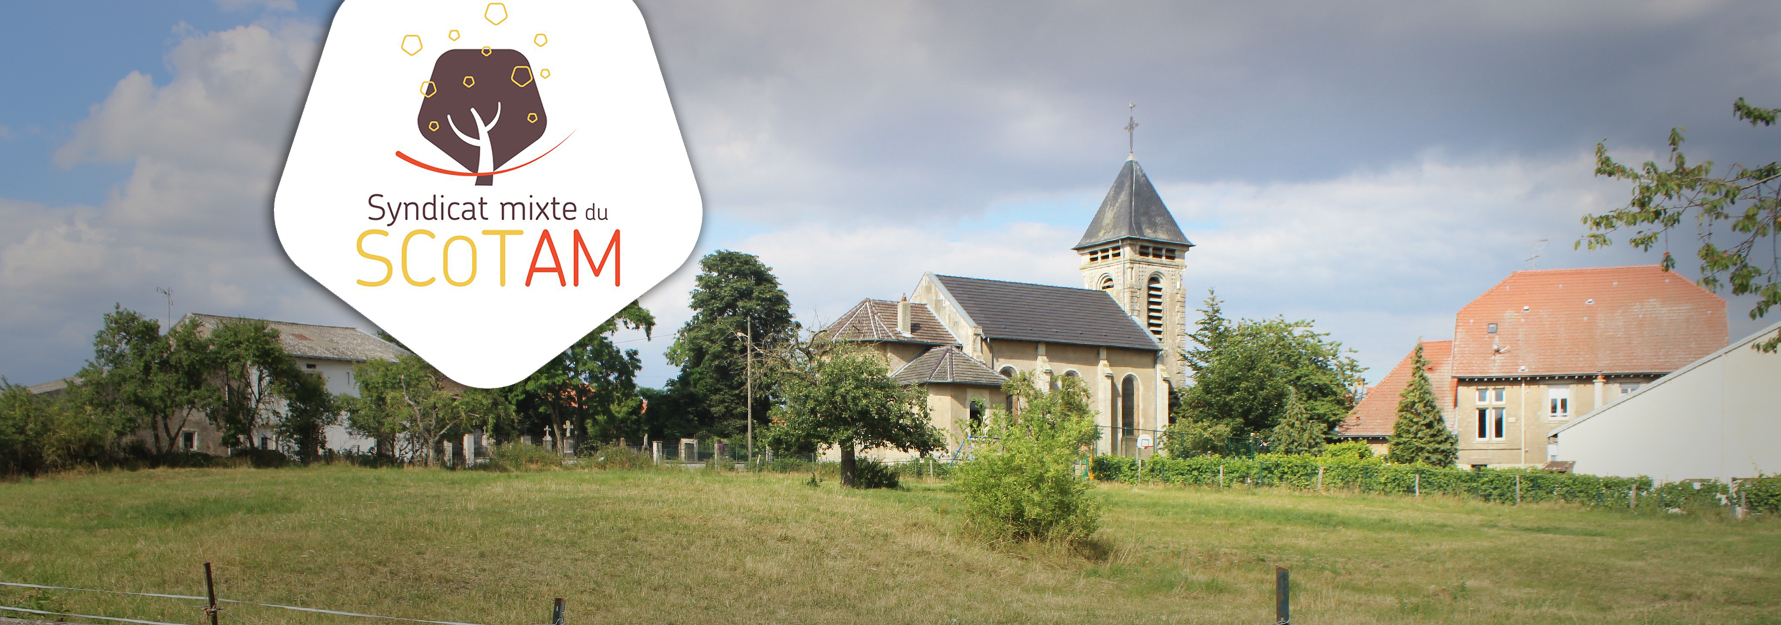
1761 495
615 457
870 472
523 457
1370 475
40 434
1022 484
1349 450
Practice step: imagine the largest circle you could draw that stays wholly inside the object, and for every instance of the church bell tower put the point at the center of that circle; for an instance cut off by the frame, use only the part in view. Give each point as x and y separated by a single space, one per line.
1134 250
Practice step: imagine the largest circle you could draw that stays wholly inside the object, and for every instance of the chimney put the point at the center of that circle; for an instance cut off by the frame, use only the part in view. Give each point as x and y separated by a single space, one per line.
903 316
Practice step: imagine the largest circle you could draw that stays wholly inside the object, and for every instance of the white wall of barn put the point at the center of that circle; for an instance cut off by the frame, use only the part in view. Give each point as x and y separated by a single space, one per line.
1714 419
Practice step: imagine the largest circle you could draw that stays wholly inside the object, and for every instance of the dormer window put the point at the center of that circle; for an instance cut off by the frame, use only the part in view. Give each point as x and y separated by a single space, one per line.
1491 328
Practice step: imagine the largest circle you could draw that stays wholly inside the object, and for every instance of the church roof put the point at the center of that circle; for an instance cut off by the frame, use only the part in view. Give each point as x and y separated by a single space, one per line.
1132 210
1046 314
876 320
947 365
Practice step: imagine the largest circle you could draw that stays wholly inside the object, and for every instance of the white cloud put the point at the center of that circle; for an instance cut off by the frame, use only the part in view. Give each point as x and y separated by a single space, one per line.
1376 258
194 215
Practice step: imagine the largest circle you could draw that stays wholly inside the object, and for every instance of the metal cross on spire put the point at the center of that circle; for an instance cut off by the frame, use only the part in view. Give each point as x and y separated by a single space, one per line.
1131 125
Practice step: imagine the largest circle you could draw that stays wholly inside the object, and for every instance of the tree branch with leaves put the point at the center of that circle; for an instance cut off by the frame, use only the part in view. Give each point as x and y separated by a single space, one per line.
1745 200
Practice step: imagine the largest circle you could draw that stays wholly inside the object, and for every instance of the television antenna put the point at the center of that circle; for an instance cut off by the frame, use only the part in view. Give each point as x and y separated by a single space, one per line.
1533 262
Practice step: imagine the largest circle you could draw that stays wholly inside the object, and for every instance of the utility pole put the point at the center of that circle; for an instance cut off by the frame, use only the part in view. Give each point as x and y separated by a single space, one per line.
167 291
748 323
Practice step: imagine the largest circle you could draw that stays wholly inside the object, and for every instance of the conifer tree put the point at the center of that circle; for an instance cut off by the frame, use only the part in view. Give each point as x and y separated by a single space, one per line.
1420 435
1297 433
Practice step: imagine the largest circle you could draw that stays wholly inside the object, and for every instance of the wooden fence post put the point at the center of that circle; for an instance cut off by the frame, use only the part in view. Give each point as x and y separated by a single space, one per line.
1282 597
1419 484
210 589
1221 476
1320 478
1518 489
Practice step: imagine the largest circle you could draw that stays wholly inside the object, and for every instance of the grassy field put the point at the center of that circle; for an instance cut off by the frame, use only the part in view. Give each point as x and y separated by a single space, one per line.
669 547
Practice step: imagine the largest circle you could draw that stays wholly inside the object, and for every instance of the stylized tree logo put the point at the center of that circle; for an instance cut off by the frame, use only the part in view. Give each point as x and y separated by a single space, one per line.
482 108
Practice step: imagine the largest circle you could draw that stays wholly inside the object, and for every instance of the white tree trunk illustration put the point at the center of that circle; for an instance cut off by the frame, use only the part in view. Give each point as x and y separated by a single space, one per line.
485 159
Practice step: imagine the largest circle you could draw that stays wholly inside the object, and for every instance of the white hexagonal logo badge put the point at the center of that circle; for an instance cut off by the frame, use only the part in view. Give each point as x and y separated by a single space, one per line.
488 181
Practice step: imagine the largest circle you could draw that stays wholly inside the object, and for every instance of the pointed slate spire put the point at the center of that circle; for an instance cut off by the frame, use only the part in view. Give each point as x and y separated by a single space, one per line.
1132 210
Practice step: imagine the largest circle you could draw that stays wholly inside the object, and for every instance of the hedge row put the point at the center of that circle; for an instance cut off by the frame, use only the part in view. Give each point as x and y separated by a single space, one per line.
1498 486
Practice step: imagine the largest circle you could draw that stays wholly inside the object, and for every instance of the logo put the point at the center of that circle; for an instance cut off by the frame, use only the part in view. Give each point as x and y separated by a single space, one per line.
488 181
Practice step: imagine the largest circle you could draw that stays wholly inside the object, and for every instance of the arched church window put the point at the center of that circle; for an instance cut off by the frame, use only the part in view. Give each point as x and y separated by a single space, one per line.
1154 301
1107 283
1128 405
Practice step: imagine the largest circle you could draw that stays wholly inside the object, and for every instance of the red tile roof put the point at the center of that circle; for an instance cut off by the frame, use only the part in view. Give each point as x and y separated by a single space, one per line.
1376 413
876 320
1609 320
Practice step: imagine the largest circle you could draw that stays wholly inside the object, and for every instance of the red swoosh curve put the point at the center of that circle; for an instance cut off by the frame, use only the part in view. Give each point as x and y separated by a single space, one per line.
448 172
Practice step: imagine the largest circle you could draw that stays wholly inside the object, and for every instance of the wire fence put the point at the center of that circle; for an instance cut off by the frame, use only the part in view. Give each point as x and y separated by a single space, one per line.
210 609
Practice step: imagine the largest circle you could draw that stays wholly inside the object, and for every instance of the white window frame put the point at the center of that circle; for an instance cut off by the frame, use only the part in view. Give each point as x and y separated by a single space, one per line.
1558 402
1490 424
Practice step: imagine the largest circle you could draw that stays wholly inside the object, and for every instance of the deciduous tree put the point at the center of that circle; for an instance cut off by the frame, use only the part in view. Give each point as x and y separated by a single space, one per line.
837 393
1744 200
146 379
1244 372
592 385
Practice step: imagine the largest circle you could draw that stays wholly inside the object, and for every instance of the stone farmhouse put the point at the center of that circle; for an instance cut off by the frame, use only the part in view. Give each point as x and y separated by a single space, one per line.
1545 346
327 351
961 338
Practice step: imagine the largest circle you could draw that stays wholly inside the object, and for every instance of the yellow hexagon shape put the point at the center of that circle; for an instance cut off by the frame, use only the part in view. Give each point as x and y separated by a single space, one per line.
411 44
453 34
495 13
517 70
539 39
433 125
469 81
531 118
544 73
486 51
428 88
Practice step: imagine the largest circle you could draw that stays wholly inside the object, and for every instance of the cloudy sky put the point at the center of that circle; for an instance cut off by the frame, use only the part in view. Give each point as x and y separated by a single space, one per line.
1369 165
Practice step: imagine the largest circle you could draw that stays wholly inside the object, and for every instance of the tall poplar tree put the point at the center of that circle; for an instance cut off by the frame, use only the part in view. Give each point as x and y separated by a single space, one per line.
1420 435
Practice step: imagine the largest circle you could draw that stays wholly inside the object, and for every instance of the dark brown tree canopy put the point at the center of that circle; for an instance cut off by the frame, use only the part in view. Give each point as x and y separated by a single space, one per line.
482 108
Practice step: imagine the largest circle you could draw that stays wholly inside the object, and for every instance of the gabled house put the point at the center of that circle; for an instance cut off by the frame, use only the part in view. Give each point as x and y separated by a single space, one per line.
1715 418
1373 418
327 351
1544 346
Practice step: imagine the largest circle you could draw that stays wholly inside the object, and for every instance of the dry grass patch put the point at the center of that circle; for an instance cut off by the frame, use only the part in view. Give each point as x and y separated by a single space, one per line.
657 546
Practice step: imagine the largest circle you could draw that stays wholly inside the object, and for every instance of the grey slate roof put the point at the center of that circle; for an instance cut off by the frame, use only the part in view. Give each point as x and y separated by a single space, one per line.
303 340
876 320
947 365
1132 210
1046 314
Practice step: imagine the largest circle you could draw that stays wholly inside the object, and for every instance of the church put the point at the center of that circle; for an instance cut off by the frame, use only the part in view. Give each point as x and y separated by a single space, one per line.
1121 333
